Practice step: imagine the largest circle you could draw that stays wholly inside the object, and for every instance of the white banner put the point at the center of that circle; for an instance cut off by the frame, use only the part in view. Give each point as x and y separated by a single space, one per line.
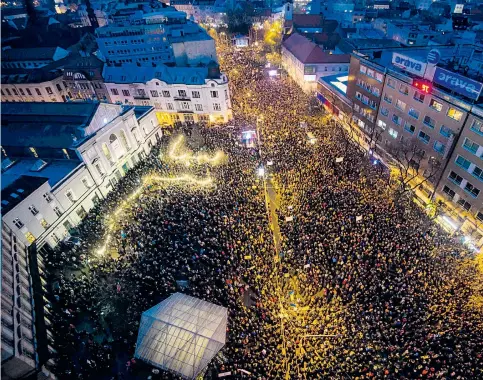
289 218
224 374
339 159
358 218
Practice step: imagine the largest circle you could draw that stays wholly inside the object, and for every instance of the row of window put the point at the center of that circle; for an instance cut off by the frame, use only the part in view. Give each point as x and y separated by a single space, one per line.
469 187
473 147
27 90
470 167
165 93
366 86
371 73
461 201
365 99
438 146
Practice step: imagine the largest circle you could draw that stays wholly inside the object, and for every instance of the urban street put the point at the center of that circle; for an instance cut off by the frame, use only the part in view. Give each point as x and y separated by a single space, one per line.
324 272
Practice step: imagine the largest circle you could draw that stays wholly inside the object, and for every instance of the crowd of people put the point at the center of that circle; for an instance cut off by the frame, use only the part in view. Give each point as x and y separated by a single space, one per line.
325 277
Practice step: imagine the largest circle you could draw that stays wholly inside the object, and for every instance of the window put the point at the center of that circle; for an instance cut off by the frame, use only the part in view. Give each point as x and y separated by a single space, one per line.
449 192
393 133
66 153
195 94
477 126
99 169
381 124
388 98
141 92
67 225
58 87
14 91
28 91
81 212
479 216
466 205
154 93
38 91
47 197
8 91
455 114
70 195
49 90
384 111
114 91
182 93
455 178
379 77
86 183
216 107
214 94
409 127
424 137
478 173
363 69
21 91
57 211
55 238
435 105
33 210
166 94
126 93
446 132
418 96
400 105
470 145
198 107
185 105
34 152
169 106
413 113
18 223
439 147
431 123
463 162
472 190
30 238
397 119
44 223
404 89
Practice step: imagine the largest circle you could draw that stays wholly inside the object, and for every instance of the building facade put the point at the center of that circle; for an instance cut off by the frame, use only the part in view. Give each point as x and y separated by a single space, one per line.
176 93
98 145
31 58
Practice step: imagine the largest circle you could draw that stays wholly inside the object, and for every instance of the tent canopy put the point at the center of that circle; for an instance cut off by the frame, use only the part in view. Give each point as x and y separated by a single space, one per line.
181 334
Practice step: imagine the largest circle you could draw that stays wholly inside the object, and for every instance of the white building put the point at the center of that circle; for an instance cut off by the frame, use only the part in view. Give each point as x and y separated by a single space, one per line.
164 36
305 62
187 94
75 153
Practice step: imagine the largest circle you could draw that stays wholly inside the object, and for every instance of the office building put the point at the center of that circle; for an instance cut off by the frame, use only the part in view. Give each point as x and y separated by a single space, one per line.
417 96
31 58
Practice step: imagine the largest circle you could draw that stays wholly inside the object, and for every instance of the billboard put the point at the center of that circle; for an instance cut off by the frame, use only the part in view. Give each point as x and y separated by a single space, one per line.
409 64
458 83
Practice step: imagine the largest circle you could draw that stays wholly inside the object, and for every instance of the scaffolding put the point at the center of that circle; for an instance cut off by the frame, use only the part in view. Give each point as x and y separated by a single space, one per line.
181 334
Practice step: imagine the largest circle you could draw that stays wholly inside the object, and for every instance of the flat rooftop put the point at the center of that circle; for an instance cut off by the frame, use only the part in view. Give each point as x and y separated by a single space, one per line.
337 82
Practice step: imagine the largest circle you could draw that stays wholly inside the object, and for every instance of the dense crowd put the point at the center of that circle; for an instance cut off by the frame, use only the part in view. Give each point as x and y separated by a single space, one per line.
330 278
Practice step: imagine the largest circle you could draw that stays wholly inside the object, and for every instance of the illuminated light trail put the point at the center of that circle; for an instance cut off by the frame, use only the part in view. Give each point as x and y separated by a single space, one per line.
188 157
112 222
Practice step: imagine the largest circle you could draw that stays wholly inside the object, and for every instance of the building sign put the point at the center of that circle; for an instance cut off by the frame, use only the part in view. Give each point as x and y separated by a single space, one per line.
433 56
424 87
458 83
310 70
458 8
409 64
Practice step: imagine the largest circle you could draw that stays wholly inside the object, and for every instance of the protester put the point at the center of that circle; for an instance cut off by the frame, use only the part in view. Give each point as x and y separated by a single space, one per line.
355 285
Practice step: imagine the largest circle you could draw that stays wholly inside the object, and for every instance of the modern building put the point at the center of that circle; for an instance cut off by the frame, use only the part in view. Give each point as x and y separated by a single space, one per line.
76 153
26 338
305 61
186 94
164 36
416 96
31 58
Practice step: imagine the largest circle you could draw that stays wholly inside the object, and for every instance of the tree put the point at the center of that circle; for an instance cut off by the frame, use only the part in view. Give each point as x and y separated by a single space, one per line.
273 33
412 169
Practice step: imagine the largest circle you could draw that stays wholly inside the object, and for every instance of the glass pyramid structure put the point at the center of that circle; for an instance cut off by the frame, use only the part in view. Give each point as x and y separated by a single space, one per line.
181 334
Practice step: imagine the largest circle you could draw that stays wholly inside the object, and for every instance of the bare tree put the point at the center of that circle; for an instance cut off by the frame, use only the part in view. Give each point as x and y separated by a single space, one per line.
412 168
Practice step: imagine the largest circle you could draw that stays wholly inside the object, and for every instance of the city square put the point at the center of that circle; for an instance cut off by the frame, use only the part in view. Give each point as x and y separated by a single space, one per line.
242 190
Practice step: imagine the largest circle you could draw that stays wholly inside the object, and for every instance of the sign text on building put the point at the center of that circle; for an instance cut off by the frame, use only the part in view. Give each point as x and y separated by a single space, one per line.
458 83
409 64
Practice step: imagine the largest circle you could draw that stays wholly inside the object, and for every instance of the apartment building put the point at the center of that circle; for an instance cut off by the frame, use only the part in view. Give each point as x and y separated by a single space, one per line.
414 96
26 338
186 94
83 76
164 36
40 85
74 154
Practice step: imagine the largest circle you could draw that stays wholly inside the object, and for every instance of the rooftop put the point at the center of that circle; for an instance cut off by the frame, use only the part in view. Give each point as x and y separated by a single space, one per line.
308 52
131 73
337 82
29 54
19 189
58 123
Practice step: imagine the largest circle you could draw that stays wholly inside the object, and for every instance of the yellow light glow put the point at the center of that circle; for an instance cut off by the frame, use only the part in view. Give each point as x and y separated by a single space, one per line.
187 157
